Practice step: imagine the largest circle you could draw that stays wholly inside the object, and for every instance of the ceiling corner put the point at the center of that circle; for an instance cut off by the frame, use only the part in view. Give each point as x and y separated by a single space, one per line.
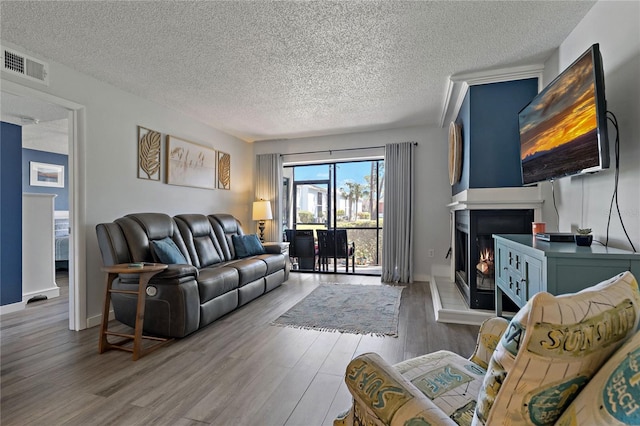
460 83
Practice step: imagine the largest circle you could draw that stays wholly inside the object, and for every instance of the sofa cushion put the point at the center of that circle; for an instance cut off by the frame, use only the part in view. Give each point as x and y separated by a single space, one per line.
247 245
249 269
216 281
552 347
167 251
612 396
275 262
200 240
224 227
139 229
449 380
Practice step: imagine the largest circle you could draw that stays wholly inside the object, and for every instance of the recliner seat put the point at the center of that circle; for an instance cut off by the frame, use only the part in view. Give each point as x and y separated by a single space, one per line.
187 296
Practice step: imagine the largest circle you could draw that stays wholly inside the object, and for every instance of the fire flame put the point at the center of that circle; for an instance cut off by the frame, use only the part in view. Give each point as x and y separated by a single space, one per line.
486 255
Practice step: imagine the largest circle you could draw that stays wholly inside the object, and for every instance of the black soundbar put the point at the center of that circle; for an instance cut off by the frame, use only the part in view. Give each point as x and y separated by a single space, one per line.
556 237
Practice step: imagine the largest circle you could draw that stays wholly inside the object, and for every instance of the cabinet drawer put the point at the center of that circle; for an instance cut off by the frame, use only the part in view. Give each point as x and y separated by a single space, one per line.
514 259
508 275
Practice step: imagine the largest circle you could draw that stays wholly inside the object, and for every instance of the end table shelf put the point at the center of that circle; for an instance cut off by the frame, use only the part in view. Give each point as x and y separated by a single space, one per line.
144 272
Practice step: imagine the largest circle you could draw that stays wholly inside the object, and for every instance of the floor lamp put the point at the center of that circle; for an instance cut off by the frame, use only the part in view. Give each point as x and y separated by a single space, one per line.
261 213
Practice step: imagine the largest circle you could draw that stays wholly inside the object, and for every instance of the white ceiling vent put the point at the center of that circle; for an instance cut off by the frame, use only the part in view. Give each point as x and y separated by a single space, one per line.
25 66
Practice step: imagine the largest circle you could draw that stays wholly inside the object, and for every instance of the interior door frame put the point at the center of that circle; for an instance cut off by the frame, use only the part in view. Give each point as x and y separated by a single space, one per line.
77 218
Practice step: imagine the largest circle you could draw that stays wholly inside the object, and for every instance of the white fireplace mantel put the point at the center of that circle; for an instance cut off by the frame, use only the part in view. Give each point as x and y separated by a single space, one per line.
529 197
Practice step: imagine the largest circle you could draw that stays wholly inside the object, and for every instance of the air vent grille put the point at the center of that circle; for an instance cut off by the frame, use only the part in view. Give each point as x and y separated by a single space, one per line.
13 62
25 66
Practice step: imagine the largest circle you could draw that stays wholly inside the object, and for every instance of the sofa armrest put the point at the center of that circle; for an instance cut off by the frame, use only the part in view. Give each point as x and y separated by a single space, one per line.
489 335
174 274
177 271
381 394
274 248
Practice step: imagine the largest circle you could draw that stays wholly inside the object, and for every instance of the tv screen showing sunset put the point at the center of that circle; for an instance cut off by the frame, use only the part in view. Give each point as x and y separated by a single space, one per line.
558 130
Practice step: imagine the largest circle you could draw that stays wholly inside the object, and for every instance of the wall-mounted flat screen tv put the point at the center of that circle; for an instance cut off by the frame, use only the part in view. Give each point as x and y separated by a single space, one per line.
563 130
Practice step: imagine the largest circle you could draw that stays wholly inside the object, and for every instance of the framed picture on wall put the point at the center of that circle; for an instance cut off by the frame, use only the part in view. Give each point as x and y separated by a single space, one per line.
190 164
43 174
224 170
148 154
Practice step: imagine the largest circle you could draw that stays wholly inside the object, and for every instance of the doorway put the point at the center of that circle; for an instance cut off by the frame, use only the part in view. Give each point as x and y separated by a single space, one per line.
333 215
25 106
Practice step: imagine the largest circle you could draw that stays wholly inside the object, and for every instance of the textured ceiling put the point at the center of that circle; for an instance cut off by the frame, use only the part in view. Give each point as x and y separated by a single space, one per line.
273 70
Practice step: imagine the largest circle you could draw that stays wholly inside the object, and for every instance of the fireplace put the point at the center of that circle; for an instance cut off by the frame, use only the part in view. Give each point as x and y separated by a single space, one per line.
473 252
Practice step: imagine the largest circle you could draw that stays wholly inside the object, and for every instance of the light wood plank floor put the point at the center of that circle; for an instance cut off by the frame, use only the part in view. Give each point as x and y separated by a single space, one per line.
238 371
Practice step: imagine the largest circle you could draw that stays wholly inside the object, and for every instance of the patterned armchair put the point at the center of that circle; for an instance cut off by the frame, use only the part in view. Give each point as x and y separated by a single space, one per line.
534 370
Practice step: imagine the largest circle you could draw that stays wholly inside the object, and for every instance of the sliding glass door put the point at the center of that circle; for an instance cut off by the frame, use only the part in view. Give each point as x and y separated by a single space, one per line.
340 206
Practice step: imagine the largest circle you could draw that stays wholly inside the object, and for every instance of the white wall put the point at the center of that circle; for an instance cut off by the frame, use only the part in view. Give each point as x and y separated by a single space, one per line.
584 201
433 191
111 188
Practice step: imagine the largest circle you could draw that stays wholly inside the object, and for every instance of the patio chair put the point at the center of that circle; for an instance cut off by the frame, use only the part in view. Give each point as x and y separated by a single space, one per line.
302 247
334 244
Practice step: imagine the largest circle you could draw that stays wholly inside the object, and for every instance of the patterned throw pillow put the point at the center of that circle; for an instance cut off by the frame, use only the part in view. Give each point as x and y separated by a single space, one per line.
612 397
552 347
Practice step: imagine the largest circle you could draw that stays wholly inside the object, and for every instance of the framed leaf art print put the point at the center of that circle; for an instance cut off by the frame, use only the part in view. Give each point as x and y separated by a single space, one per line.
149 143
224 170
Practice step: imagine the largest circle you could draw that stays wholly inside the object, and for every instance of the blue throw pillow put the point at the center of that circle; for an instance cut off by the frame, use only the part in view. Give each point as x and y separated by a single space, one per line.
167 251
253 244
247 245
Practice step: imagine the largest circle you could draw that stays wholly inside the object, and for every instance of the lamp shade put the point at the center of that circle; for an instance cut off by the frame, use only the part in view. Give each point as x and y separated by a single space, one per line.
262 210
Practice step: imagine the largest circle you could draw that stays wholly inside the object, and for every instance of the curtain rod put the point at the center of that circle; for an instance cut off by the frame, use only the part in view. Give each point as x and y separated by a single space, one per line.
330 151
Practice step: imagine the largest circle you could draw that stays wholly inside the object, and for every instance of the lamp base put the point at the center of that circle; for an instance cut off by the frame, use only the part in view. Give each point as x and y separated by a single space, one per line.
261 228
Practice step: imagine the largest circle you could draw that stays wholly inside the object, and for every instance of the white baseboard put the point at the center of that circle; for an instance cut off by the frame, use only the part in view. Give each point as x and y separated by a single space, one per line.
421 278
96 320
440 270
49 293
12 307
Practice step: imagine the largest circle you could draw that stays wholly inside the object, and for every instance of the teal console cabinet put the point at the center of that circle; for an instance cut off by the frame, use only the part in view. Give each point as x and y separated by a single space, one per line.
525 266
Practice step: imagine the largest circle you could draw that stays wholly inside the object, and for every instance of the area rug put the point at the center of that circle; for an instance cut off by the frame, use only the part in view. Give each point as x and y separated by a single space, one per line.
347 308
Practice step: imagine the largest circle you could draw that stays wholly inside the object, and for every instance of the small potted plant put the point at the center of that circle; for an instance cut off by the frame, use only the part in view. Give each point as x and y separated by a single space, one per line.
584 237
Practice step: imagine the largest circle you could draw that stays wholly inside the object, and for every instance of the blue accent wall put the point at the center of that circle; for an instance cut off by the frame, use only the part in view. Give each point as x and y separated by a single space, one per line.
62 199
496 139
10 214
489 117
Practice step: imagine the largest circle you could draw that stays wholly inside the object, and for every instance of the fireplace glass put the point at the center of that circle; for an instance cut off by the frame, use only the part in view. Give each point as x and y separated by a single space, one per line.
474 253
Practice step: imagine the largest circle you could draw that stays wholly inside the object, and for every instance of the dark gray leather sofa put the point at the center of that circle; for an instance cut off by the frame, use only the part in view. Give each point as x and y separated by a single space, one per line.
186 297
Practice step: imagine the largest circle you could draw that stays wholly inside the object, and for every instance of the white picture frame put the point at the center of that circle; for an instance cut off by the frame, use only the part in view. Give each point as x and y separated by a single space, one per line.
190 164
44 174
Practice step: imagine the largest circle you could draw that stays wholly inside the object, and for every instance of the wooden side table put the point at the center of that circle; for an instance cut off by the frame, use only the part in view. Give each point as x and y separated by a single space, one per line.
145 273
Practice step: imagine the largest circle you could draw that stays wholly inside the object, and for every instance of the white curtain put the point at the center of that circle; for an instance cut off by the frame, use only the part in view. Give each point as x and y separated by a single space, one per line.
397 229
268 186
